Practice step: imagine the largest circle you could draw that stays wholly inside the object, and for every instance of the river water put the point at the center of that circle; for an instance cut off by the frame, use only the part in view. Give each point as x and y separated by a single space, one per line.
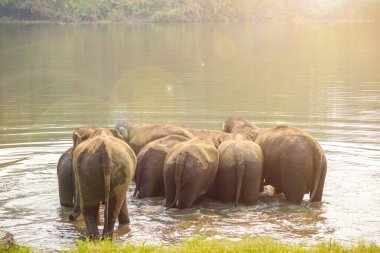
323 78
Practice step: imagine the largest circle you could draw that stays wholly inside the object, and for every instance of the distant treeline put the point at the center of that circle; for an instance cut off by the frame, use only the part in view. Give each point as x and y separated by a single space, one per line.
188 10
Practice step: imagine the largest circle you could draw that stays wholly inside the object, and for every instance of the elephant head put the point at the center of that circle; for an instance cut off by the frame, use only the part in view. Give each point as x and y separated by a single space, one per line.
241 126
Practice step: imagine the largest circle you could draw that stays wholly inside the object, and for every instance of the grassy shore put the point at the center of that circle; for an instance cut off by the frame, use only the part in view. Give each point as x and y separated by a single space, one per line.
203 245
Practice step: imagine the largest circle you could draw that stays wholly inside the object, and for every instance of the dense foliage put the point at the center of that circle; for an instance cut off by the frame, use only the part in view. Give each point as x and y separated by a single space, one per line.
187 10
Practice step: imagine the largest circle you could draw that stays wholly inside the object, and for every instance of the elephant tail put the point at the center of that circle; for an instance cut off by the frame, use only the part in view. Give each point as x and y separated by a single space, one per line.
139 170
76 209
319 166
239 176
107 188
180 164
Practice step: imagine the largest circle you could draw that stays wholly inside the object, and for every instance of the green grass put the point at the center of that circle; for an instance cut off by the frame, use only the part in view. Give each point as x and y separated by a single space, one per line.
15 249
203 245
223 246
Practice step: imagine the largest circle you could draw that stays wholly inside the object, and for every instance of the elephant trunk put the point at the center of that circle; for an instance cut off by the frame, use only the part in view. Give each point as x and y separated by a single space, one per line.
180 164
239 176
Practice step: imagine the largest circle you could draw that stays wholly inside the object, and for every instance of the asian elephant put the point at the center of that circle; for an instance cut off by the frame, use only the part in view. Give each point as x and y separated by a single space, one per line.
104 166
189 171
83 132
294 162
138 135
150 166
239 173
66 181
241 126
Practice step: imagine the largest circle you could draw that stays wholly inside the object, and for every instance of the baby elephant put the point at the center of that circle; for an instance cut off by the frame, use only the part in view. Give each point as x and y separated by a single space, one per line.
104 166
240 170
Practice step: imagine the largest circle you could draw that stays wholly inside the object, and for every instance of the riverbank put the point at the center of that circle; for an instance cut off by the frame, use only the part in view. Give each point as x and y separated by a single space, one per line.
204 245
142 21
68 11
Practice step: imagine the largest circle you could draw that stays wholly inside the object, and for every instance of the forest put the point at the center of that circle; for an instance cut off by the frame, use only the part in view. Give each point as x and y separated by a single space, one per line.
188 10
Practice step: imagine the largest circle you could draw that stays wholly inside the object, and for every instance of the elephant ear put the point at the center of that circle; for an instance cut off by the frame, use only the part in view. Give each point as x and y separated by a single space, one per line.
116 133
81 134
224 127
253 134
217 141
77 139
124 134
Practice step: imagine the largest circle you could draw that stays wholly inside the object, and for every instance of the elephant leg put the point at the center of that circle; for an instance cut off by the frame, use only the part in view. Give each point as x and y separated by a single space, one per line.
250 188
188 196
90 214
212 192
75 212
114 206
162 191
146 188
66 192
226 182
294 192
66 179
252 182
123 214
294 183
196 181
151 187
152 180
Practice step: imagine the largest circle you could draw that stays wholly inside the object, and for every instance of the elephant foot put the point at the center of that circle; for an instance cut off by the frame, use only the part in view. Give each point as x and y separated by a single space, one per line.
124 219
75 213
107 236
93 237
123 229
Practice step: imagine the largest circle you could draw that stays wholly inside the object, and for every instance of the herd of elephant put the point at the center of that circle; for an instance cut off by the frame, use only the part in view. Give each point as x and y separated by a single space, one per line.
184 164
